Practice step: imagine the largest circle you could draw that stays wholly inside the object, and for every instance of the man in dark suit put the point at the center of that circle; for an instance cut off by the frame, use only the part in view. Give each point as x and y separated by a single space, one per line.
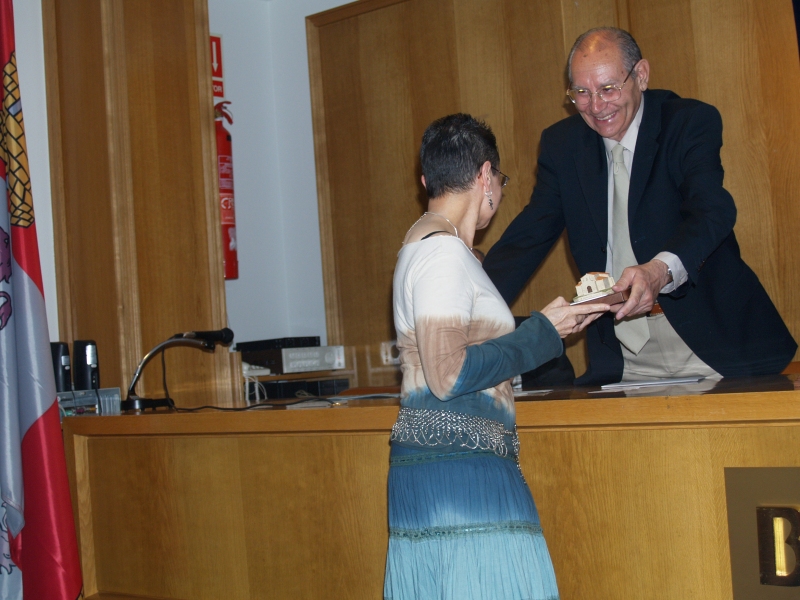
665 231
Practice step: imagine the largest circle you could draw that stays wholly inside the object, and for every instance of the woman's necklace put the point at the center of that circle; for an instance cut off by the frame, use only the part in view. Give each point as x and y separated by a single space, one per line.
426 213
438 215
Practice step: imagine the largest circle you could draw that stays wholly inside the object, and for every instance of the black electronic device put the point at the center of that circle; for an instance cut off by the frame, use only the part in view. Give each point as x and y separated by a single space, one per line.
297 360
277 344
86 369
61 366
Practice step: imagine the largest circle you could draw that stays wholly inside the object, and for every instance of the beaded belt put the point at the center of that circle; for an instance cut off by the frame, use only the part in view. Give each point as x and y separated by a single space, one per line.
444 428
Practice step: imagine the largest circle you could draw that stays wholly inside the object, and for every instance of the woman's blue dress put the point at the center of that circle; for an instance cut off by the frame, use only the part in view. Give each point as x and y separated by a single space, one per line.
462 521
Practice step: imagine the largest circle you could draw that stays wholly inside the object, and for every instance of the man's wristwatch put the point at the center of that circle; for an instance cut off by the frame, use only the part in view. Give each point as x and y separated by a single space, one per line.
669 275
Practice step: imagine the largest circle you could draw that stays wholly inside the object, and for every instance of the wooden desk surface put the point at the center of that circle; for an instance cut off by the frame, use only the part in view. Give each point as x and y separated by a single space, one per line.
747 400
292 503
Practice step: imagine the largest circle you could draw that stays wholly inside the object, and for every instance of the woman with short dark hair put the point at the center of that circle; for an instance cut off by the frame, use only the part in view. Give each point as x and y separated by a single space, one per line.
462 520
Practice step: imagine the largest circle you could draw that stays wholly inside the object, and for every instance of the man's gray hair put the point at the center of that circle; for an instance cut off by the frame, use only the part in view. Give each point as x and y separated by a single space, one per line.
631 54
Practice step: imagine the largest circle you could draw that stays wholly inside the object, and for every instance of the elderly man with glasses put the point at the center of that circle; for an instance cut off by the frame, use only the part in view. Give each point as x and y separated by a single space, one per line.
636 179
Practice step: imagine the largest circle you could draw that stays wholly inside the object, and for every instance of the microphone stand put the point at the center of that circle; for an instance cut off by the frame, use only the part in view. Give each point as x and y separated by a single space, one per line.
134 402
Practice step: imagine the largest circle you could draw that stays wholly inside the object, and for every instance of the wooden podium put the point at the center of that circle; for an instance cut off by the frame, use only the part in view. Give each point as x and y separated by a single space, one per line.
292 503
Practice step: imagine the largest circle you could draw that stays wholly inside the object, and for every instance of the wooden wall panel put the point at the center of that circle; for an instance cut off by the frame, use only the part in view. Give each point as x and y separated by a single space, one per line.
665 32
385 88
536 87
134 176
348 177
443 61
777 48
374 181
173 253
504 61
85 269
578 17
115 69
746 161
434 89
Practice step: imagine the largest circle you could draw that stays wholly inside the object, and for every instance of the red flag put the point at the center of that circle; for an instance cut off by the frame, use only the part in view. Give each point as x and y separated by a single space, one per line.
33 474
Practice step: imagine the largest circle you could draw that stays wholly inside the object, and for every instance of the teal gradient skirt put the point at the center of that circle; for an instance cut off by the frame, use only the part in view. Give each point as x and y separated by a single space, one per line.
463 526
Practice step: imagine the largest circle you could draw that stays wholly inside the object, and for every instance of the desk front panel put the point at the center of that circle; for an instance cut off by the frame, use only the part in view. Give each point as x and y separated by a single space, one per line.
276 506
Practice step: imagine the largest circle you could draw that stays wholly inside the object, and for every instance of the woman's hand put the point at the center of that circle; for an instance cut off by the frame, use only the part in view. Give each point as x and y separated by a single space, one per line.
569 319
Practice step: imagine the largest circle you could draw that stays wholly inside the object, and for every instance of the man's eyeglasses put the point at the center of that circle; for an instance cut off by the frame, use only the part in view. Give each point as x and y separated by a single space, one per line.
505 177
582 97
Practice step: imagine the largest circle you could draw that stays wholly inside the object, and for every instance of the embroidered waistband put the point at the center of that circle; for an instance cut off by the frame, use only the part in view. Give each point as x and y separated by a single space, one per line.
417 535
430 457
436 428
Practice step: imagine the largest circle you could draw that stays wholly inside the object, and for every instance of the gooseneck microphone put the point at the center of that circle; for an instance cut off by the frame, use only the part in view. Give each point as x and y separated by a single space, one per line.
221 336
203 340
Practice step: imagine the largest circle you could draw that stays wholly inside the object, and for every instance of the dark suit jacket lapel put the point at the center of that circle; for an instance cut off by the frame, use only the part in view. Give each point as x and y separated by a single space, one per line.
592 169
646 148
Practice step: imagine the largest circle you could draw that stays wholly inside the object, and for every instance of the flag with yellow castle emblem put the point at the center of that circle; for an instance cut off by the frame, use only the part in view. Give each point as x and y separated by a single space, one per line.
37 531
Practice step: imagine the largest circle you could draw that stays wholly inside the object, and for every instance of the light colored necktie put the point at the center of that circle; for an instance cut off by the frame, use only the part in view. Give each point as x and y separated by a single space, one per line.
633 332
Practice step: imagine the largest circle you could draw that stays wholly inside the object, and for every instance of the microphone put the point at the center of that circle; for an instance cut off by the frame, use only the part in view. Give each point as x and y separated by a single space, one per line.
204 340
221 336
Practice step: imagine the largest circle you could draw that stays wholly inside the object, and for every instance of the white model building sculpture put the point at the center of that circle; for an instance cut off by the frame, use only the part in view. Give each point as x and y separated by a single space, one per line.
594 285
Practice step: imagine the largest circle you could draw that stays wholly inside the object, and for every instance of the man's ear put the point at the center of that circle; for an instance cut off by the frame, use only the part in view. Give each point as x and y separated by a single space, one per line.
643 74
422 179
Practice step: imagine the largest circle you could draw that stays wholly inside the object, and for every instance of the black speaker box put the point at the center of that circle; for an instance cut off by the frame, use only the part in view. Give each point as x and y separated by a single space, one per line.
61 366
85 365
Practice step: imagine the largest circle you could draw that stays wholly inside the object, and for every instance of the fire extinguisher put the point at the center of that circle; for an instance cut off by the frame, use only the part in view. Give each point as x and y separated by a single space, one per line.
226 205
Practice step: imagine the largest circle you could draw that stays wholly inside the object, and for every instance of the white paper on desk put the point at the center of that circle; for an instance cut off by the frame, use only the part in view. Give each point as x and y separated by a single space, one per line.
622 385
345 397
523 393
309 404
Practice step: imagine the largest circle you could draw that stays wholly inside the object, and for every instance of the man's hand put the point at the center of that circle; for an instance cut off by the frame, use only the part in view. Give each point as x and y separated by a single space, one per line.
645 282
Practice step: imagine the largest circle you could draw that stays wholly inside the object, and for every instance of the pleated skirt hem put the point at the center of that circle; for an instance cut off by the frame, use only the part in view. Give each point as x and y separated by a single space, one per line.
484 566
463 526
